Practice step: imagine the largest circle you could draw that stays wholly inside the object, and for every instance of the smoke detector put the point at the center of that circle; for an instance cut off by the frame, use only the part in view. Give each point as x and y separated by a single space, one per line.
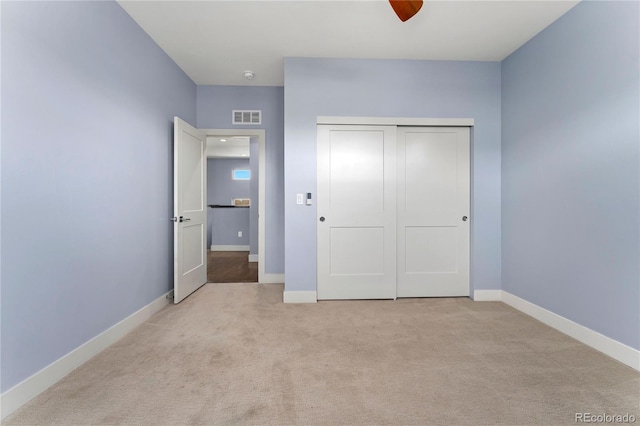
249 75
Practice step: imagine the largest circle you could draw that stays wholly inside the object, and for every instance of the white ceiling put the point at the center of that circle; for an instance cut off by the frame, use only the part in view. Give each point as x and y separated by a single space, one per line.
215 41
228 146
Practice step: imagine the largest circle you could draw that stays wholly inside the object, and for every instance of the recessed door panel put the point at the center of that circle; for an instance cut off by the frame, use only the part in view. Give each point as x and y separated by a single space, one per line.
431 171
357 251
357 171
192 248
431 249
191 173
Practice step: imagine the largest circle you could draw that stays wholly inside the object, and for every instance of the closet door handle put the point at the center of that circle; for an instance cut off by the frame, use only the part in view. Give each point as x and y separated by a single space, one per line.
321 218
464 218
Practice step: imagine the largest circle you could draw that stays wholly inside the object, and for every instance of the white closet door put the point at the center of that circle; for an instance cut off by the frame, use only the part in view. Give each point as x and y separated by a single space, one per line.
433 212
356 212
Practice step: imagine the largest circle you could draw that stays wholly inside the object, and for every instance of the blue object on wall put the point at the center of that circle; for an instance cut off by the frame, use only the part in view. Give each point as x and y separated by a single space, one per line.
241 174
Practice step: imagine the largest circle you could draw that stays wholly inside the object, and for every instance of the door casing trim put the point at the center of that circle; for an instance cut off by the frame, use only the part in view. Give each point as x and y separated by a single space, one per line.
397 121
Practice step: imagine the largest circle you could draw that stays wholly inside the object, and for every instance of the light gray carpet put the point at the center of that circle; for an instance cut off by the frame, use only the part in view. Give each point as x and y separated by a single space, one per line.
235 354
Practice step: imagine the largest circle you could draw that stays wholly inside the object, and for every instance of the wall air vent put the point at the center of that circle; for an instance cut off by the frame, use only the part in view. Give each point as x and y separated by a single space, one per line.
247 117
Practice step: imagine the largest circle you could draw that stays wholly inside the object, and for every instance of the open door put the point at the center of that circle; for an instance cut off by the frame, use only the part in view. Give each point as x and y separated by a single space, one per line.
190 209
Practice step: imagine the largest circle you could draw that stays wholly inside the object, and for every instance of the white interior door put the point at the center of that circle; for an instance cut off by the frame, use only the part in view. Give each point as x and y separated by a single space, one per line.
356 212
190 227
433 211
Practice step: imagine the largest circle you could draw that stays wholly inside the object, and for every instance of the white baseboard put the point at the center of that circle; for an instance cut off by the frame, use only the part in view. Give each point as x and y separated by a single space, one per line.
31 387
229 248
272 279
608 346
487 295
253 258
300 297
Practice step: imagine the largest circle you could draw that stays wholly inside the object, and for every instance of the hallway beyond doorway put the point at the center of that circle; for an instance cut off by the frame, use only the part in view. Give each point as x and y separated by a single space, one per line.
231 267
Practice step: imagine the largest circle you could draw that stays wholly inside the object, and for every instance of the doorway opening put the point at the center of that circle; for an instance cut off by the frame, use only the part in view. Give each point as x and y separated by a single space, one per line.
235 202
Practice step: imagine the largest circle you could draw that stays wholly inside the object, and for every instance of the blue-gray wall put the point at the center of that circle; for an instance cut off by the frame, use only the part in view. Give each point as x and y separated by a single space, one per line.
570 169
214 106
390 88
87 106
224 223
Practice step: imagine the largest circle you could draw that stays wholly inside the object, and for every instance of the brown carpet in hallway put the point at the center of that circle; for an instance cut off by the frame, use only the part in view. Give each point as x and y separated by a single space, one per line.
231 267
234 354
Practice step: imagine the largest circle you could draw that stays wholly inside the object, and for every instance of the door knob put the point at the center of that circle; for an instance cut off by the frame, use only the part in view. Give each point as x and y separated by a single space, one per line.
179 219
464 218
321 218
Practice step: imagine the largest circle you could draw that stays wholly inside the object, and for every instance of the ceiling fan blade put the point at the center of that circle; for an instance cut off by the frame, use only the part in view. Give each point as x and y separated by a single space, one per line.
405 9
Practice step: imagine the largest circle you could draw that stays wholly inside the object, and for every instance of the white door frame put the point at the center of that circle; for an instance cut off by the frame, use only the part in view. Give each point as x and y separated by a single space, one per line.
397 121
260 134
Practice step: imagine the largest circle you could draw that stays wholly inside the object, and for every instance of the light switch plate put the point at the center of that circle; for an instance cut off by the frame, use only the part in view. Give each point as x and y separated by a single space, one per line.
299 198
